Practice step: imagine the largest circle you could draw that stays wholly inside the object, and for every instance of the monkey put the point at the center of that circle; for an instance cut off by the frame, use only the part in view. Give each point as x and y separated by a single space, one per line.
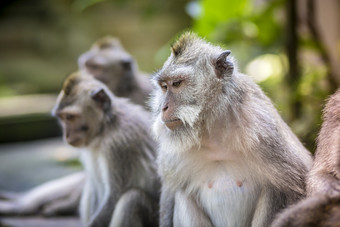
225 157
316 210
324 176
109 62
322 205
117 152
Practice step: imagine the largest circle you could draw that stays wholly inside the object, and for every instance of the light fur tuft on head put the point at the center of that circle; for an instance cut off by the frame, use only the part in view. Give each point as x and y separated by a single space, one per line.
184 41
70 82
107 42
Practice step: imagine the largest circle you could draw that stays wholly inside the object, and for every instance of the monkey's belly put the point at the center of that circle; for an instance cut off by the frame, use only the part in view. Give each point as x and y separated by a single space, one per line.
229 202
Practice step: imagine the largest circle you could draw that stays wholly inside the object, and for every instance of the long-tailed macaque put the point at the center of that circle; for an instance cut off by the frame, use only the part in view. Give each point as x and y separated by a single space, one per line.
324 176
226 157
118 155
108 62
322 205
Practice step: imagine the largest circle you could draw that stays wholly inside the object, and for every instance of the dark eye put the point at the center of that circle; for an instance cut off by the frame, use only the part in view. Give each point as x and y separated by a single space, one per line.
92 66
176 83
164 86
69 117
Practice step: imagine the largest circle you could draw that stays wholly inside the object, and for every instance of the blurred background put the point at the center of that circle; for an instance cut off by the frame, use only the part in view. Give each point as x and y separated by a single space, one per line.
291 48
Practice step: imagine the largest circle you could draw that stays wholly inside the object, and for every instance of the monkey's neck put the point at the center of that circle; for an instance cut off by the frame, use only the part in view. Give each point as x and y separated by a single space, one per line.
126 88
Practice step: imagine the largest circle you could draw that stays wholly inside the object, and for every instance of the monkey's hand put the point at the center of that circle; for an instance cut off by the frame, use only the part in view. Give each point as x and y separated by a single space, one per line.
325 184
102 216
334 188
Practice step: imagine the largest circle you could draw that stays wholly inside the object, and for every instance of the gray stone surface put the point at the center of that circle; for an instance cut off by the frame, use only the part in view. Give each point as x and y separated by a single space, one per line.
40 222
25 165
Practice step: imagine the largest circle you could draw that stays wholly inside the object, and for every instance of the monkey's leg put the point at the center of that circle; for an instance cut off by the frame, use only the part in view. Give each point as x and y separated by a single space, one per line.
167 202
34 199
64 206
135 209
188 213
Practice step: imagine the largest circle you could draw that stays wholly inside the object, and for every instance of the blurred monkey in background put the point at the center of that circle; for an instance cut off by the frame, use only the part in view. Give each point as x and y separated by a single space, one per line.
108 62
117 152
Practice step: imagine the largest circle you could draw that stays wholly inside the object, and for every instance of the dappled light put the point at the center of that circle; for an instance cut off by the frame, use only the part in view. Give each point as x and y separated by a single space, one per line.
265 66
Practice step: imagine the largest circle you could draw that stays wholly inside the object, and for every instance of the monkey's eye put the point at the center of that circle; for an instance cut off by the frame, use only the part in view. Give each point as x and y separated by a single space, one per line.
69 117
91 66
164 85
177 83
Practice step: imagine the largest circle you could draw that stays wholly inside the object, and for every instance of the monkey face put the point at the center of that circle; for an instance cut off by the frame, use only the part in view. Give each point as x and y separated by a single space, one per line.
108 62
189 85
82 108
173 105
75 128
176 100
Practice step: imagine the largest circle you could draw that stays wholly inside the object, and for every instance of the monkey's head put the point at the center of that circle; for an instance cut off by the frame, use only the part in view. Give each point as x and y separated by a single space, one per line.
108 62
83 107
189 85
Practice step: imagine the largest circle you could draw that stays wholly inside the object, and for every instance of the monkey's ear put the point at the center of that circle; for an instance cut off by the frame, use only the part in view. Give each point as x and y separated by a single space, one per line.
102 99
223 66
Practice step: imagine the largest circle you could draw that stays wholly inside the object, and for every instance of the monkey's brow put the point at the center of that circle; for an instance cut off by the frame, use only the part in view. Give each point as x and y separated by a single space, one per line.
162 77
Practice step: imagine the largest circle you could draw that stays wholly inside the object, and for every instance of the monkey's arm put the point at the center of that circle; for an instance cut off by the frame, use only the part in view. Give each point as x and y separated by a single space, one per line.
167 202
188 213
135 208
64 206
270 202
317 210
102 216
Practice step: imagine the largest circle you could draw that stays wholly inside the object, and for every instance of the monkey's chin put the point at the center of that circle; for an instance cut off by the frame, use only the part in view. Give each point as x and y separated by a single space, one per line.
76 142
173 124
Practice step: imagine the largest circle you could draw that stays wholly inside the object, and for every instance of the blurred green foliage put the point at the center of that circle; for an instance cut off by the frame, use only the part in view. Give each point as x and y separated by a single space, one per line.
254 29
42 39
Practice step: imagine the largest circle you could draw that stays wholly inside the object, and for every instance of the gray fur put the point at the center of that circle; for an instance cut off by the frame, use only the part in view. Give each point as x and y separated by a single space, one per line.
117 154
120 73
320 210
109 62
322 205
228 117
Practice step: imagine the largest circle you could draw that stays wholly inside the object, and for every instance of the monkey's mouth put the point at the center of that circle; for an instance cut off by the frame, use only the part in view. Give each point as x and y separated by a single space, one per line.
173 123
172 120
75 142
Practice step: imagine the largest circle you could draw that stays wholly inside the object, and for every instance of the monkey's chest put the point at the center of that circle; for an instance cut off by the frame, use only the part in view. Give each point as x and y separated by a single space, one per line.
229 200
